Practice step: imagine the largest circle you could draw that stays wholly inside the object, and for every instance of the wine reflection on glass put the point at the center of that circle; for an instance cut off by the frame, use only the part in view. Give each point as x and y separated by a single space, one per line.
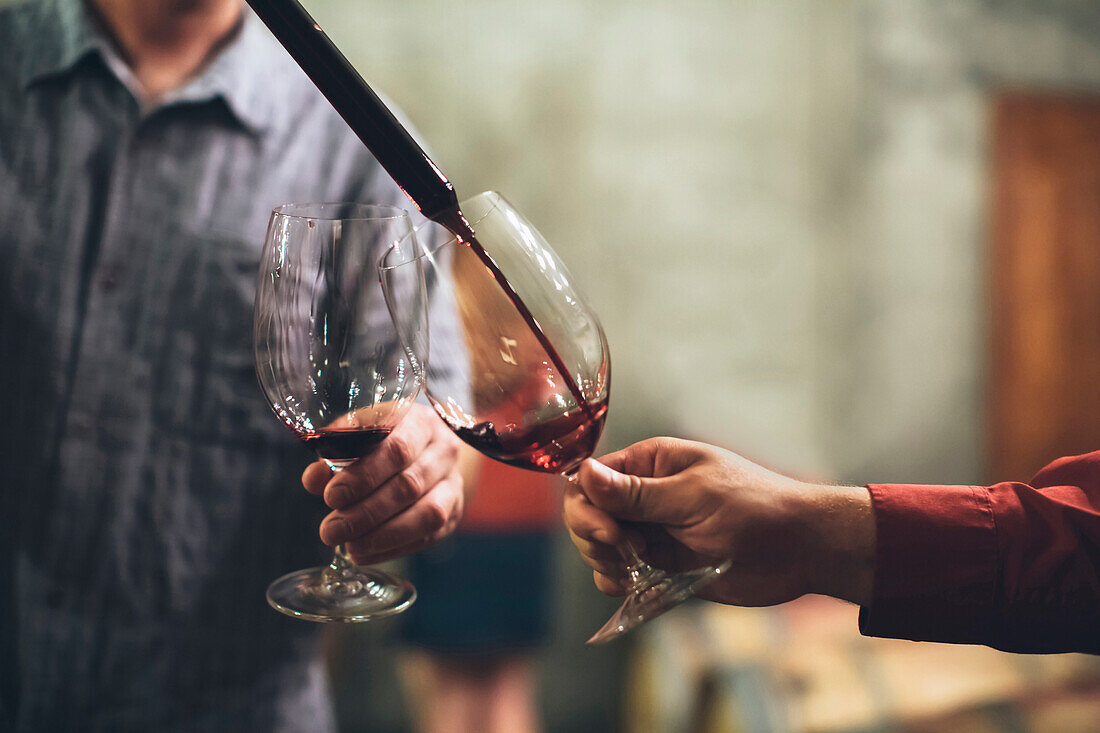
332 365
536 362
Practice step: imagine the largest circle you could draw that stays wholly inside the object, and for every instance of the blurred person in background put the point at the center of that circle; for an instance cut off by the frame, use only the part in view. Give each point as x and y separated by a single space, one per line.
149 493
1013 566
486 591
485 608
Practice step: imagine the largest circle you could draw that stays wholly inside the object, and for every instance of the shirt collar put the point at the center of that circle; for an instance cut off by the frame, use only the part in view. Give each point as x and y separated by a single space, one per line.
239 75
63 35
66 33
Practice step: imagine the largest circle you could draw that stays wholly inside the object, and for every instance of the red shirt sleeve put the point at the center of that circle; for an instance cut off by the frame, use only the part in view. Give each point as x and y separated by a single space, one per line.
1014 566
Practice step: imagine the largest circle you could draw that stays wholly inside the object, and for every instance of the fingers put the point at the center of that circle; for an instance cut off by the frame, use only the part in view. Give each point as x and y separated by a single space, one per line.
424 523
632 497
655 457
596 535
587 522
405 495
609 585
316 476
639 458
604 559
355 517
400 449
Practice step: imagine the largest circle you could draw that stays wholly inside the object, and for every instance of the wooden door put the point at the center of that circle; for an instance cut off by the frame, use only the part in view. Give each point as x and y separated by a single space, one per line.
1045 287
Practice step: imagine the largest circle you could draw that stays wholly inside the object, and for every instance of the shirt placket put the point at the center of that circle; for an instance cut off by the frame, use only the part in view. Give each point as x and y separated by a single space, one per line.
102 328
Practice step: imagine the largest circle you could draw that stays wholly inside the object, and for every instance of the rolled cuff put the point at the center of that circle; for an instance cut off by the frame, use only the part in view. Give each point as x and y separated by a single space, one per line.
935 575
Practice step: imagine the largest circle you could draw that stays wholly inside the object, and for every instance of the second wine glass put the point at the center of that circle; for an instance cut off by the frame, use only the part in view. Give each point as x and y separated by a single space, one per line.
332 365
537 372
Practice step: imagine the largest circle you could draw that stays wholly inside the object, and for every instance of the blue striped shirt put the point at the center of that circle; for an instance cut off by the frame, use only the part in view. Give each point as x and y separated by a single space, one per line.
149 495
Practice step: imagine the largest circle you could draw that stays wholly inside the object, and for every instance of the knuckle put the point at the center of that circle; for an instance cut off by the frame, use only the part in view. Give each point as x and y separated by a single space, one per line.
663 443
448 445
450 526
435 517
350 525
401 449
634 492
458 511
574 518
366 473
366 519
437 536
408 487
452 448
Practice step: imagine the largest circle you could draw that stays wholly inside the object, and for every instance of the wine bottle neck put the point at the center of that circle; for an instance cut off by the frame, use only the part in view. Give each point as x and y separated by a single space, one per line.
366 114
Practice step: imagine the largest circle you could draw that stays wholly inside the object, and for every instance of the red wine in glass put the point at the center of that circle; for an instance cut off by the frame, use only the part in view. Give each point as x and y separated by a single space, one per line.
344 445
548 447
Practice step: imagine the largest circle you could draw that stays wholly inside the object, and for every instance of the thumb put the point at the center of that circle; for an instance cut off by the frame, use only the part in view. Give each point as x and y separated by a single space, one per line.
629 497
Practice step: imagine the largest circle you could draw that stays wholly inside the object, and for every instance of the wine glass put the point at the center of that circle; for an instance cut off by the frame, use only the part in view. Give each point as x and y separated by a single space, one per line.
536 361
331 363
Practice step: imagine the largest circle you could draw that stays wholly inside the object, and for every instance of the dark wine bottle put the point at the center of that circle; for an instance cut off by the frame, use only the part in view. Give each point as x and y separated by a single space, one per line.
365 113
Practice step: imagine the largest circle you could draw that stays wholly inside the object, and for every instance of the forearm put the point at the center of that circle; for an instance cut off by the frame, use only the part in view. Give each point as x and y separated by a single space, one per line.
839 536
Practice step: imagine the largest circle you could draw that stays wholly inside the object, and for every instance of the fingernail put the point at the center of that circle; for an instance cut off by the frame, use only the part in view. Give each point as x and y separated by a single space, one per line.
602 472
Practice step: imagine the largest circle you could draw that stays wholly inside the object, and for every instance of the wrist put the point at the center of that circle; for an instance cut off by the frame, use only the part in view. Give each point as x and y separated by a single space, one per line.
840 552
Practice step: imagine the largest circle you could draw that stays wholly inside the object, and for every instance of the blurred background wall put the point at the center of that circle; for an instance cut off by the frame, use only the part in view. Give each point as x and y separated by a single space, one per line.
778 208
783 212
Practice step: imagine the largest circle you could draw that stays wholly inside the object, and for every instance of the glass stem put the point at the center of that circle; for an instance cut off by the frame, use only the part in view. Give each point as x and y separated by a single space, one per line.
642 575
340 569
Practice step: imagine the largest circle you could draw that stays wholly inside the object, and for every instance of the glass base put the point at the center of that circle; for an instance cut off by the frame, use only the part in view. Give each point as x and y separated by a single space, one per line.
357 594
653 595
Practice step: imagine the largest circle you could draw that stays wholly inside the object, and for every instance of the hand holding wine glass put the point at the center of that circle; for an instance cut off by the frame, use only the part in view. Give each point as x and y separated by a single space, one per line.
398 499
690 504
330 360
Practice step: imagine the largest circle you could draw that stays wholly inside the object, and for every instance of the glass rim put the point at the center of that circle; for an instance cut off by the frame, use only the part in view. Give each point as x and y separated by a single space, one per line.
495 203
385 212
